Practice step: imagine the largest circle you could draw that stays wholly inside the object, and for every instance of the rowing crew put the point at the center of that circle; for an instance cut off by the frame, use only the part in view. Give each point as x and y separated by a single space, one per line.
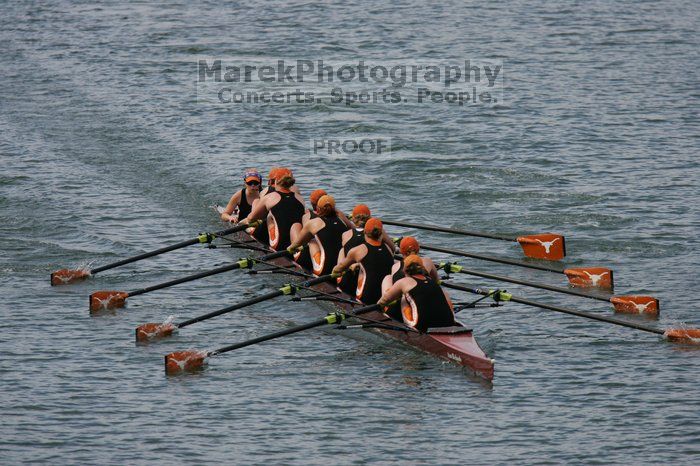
358 246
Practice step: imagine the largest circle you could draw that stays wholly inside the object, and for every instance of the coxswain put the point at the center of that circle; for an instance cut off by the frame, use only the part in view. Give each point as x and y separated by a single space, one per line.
427 305
324 236
241 203
281 209
374 258
407 246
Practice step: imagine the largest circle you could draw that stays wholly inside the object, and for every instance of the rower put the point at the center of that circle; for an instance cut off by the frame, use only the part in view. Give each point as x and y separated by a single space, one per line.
352 238
374 259
408 245
303 257
324 235
313 199
427 304
240 204
282 209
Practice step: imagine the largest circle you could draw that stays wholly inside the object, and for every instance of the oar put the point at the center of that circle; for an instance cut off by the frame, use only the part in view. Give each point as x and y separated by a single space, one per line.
65 276
192 360
153 330
630 304
600 277
547 246
688 335
101 300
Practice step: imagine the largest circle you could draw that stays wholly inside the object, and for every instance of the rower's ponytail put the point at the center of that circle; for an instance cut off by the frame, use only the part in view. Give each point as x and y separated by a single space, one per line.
286 181
374 233
327 210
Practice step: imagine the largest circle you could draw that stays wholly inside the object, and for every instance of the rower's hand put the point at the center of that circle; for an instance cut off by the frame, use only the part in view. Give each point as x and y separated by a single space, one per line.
294 249
337 271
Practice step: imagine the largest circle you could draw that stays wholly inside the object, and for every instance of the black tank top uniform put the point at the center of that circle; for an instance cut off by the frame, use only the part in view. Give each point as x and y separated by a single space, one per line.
303 259
433 308
331 239
348 282
261 233
286 213
377 265
244 207
394 310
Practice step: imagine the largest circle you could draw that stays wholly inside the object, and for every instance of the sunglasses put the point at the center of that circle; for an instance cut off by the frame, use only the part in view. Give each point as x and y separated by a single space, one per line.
252 183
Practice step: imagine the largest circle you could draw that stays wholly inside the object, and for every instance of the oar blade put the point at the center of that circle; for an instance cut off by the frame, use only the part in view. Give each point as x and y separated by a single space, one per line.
152 331
548 246
635 304
67 276
181 362
588 277
104 300
683 335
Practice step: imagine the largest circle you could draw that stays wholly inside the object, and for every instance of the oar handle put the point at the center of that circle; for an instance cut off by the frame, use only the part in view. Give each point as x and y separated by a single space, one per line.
564 310
420 226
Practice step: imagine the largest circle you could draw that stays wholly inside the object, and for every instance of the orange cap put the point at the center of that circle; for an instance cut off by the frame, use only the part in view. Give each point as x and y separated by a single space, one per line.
412 259
316 195
326 200
361 209
373 224
282 172
409 245
273 173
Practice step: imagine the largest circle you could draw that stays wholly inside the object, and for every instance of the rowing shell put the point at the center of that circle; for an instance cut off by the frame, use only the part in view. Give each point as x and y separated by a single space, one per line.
455 344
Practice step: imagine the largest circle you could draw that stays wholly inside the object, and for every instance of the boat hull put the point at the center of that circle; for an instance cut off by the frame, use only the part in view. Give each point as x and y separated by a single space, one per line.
454 344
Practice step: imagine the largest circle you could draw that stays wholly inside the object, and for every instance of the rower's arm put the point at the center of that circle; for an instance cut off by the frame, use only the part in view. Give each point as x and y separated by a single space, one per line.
259 212
304 237
392 294
343 218
226 215
432 270
386 239
347 262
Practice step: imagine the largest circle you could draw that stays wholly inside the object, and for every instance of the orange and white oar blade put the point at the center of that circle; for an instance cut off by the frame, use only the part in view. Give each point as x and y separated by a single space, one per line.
683 335
184 361
154 331
66 276
588 277
546 246
102 300
636 305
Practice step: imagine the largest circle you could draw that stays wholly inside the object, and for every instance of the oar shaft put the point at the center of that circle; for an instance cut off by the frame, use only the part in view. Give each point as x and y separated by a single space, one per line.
165 249
186 279
288 289
330 319
249 302
208 273
271 336
564 310
542 286
501 260
449 230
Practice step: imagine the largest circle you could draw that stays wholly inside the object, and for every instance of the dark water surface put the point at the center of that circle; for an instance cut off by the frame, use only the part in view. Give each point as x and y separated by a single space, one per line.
106 153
